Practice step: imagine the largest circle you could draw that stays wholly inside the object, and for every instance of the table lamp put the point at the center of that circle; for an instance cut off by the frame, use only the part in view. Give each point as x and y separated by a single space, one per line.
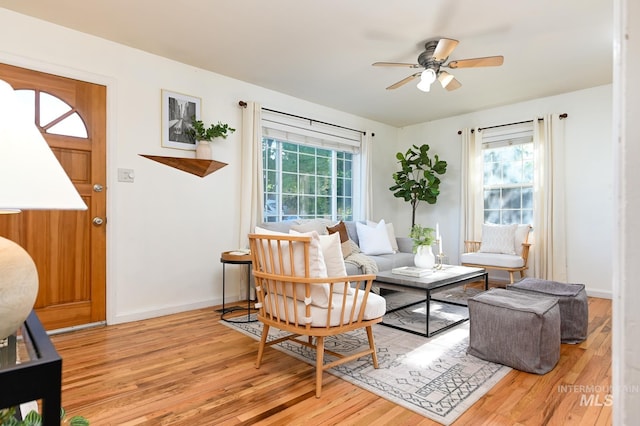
31 178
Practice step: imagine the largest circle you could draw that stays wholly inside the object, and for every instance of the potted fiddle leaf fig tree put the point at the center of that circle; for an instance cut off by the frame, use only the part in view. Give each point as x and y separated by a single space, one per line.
204 135
417 178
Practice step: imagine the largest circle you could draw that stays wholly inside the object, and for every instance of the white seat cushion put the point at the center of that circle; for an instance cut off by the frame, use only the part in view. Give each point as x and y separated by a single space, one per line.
493 259
375 308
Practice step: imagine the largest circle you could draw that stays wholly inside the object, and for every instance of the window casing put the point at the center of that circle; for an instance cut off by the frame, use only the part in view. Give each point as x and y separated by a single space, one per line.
508 176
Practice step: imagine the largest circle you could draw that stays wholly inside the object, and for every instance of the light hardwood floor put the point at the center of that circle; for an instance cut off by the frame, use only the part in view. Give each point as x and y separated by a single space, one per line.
187 369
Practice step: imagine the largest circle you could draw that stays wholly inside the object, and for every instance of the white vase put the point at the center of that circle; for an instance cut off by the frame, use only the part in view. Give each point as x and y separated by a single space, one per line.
203 150
424 257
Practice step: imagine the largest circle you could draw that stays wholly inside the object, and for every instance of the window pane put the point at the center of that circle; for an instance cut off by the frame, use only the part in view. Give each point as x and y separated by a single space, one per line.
324 186
323 165
512 172
492 199
511 198
510 216
51 108
289 161
527 199
307 164
307 184
289 183
492 216
70 126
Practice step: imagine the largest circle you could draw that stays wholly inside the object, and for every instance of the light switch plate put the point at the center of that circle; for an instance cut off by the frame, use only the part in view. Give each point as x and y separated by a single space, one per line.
125 175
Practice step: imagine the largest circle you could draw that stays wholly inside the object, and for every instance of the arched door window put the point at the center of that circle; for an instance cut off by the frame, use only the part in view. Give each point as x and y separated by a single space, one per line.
51 114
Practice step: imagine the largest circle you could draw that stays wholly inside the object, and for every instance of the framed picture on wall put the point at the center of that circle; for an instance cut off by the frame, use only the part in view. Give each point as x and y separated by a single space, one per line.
178 111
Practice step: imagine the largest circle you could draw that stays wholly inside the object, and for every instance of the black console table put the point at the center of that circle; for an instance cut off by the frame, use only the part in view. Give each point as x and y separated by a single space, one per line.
38 377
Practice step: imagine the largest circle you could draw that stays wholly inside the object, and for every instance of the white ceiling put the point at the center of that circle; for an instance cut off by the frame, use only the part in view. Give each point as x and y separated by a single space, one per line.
322 51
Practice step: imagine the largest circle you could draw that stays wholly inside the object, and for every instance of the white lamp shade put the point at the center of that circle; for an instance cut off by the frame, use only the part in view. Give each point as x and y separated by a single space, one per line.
31 178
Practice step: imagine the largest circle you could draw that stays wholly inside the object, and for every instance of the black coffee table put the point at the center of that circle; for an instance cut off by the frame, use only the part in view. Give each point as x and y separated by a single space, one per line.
448 276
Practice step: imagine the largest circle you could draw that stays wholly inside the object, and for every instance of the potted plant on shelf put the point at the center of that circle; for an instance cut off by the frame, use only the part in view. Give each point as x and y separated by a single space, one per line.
423 238
204 135
417 180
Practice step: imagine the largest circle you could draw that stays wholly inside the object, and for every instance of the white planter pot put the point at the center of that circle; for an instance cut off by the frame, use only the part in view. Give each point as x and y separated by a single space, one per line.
203 150
424 257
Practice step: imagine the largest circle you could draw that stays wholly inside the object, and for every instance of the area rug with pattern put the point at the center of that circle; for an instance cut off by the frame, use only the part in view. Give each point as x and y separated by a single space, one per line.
431 376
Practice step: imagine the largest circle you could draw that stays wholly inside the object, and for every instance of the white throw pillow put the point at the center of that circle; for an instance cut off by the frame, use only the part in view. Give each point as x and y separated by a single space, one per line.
498 238
522 234
390 232
317 267
333 258
374 240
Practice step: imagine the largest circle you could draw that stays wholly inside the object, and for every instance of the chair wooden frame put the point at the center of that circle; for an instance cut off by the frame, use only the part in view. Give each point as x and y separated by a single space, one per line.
474 246
271 253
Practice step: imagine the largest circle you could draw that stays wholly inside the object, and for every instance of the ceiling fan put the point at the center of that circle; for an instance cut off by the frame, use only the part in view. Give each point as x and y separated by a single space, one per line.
436 53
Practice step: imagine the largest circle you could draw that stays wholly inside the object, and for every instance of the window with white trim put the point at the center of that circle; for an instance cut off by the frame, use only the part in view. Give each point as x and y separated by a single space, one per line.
508 173
310 170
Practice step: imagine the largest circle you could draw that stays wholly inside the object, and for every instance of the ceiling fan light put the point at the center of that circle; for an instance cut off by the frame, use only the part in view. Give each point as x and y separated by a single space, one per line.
424 85
428 76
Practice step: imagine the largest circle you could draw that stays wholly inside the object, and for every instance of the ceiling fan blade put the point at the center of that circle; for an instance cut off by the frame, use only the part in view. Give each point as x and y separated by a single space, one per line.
444 48
403 81
394 64
448 81
489 61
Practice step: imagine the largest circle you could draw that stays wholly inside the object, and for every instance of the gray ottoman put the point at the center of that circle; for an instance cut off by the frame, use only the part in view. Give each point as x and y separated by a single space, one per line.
516 329
572 299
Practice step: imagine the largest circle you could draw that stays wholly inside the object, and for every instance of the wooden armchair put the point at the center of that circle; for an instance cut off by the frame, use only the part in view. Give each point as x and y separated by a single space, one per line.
516 262
294 296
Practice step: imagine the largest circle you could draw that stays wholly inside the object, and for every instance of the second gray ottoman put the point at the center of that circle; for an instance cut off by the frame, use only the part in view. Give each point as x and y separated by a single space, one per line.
572 299
516 329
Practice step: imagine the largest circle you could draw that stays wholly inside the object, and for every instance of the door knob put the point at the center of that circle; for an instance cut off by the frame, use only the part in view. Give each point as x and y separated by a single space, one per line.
97 221
97 187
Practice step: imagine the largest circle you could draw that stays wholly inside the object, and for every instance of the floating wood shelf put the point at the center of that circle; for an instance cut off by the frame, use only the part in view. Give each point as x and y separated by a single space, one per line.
194 166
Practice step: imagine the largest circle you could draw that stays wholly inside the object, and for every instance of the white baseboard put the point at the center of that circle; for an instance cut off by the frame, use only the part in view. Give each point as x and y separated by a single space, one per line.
167 310
600 293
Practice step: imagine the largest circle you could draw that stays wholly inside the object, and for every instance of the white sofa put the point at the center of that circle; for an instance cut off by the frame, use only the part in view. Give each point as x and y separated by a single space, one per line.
402 256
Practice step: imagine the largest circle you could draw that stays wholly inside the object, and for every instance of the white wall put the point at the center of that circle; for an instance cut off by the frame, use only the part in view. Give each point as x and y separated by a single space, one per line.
626 315
589 175
165 231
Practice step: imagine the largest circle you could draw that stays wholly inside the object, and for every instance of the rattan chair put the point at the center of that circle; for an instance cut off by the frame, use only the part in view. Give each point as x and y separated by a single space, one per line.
511 263
291 299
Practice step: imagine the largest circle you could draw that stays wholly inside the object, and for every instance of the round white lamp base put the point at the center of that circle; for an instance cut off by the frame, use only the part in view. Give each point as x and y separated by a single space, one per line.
18 286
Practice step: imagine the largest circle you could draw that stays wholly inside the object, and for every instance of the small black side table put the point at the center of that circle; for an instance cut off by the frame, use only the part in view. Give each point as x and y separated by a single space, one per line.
236 259
38 377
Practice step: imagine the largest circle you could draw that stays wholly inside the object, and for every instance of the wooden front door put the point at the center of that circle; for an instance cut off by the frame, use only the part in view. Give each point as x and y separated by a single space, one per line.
68 248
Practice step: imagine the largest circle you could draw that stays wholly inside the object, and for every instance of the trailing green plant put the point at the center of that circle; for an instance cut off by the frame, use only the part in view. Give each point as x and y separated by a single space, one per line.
417 181
199 132
33 418
422 236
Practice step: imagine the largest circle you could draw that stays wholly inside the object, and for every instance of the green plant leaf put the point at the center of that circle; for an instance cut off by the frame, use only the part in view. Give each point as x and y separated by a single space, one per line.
416 180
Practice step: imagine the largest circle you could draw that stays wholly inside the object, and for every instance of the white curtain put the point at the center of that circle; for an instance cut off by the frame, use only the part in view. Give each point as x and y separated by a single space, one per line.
251 171
250 178
366 177
471 187
550 242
